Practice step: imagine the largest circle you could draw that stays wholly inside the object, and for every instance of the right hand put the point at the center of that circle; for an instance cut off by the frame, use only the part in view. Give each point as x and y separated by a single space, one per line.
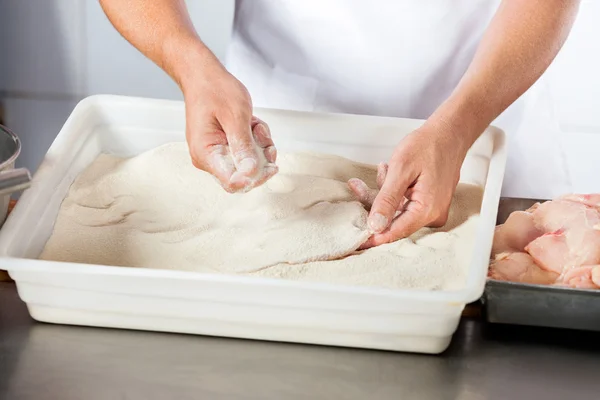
223 136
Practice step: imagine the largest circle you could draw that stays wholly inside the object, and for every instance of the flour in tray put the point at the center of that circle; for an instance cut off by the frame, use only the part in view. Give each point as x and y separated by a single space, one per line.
156 210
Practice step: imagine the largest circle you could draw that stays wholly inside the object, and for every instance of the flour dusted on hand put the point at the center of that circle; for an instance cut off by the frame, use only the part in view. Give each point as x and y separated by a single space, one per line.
156 210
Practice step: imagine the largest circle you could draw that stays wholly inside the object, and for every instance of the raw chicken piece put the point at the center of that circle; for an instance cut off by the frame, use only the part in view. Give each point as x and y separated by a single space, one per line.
550 251
520 267
565 214
591 200
556 242
587 277
573 237
512 236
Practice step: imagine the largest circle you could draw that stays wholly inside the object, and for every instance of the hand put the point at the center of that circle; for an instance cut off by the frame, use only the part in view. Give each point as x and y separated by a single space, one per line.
223 136
416 188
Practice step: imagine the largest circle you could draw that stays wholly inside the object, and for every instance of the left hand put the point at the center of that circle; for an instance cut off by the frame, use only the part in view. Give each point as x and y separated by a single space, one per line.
417 188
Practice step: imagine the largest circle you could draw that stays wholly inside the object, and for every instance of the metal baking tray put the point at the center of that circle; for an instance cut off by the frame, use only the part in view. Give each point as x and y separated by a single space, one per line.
538 305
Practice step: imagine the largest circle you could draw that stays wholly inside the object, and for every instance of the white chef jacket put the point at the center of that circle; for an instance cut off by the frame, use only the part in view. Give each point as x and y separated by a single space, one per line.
399 58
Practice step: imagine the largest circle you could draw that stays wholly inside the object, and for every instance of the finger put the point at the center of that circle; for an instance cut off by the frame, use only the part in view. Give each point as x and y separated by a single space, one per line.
241 183
413 218
217 160
389 199
262 138
220 164
210 153
271 154
262 135
241 142
382 169
255 121
362 192
368 244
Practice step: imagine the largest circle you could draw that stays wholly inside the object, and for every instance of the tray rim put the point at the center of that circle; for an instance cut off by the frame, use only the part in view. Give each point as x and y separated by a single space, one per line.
541 288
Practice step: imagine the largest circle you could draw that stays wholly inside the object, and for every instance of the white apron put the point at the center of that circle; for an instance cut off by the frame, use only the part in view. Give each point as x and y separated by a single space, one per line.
397 58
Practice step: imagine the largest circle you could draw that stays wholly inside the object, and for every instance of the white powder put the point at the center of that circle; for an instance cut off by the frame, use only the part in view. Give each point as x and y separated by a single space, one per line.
157 211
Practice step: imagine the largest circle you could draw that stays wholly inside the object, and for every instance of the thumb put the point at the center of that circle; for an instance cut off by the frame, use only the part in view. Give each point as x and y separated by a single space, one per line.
388 201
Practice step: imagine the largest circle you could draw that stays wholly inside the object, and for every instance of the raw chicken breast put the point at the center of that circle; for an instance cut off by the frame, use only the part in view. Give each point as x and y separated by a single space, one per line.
516 233
587 277
564 214
573 237
591 200
550 251
520 267
556 241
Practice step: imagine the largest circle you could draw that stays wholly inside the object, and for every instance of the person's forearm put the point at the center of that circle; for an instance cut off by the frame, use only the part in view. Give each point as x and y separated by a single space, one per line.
162 31
518 46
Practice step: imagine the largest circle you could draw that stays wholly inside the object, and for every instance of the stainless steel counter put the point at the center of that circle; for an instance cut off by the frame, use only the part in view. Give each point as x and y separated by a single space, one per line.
40 361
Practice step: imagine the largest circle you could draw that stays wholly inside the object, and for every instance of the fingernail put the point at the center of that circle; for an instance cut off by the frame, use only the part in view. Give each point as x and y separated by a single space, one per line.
239 183
377 222
247 165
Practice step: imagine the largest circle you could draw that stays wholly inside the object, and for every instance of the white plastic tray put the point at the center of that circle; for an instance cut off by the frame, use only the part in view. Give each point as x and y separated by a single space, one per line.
233 306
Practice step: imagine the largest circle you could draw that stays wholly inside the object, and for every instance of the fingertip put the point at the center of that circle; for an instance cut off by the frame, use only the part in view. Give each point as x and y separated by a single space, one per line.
359 184
238 181
377 222
354 190
354 184
270 171
271 154
382 211
362 192
228 188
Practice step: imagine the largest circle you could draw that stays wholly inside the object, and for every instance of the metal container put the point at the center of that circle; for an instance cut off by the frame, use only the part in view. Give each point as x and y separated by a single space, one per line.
539 305
11 179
